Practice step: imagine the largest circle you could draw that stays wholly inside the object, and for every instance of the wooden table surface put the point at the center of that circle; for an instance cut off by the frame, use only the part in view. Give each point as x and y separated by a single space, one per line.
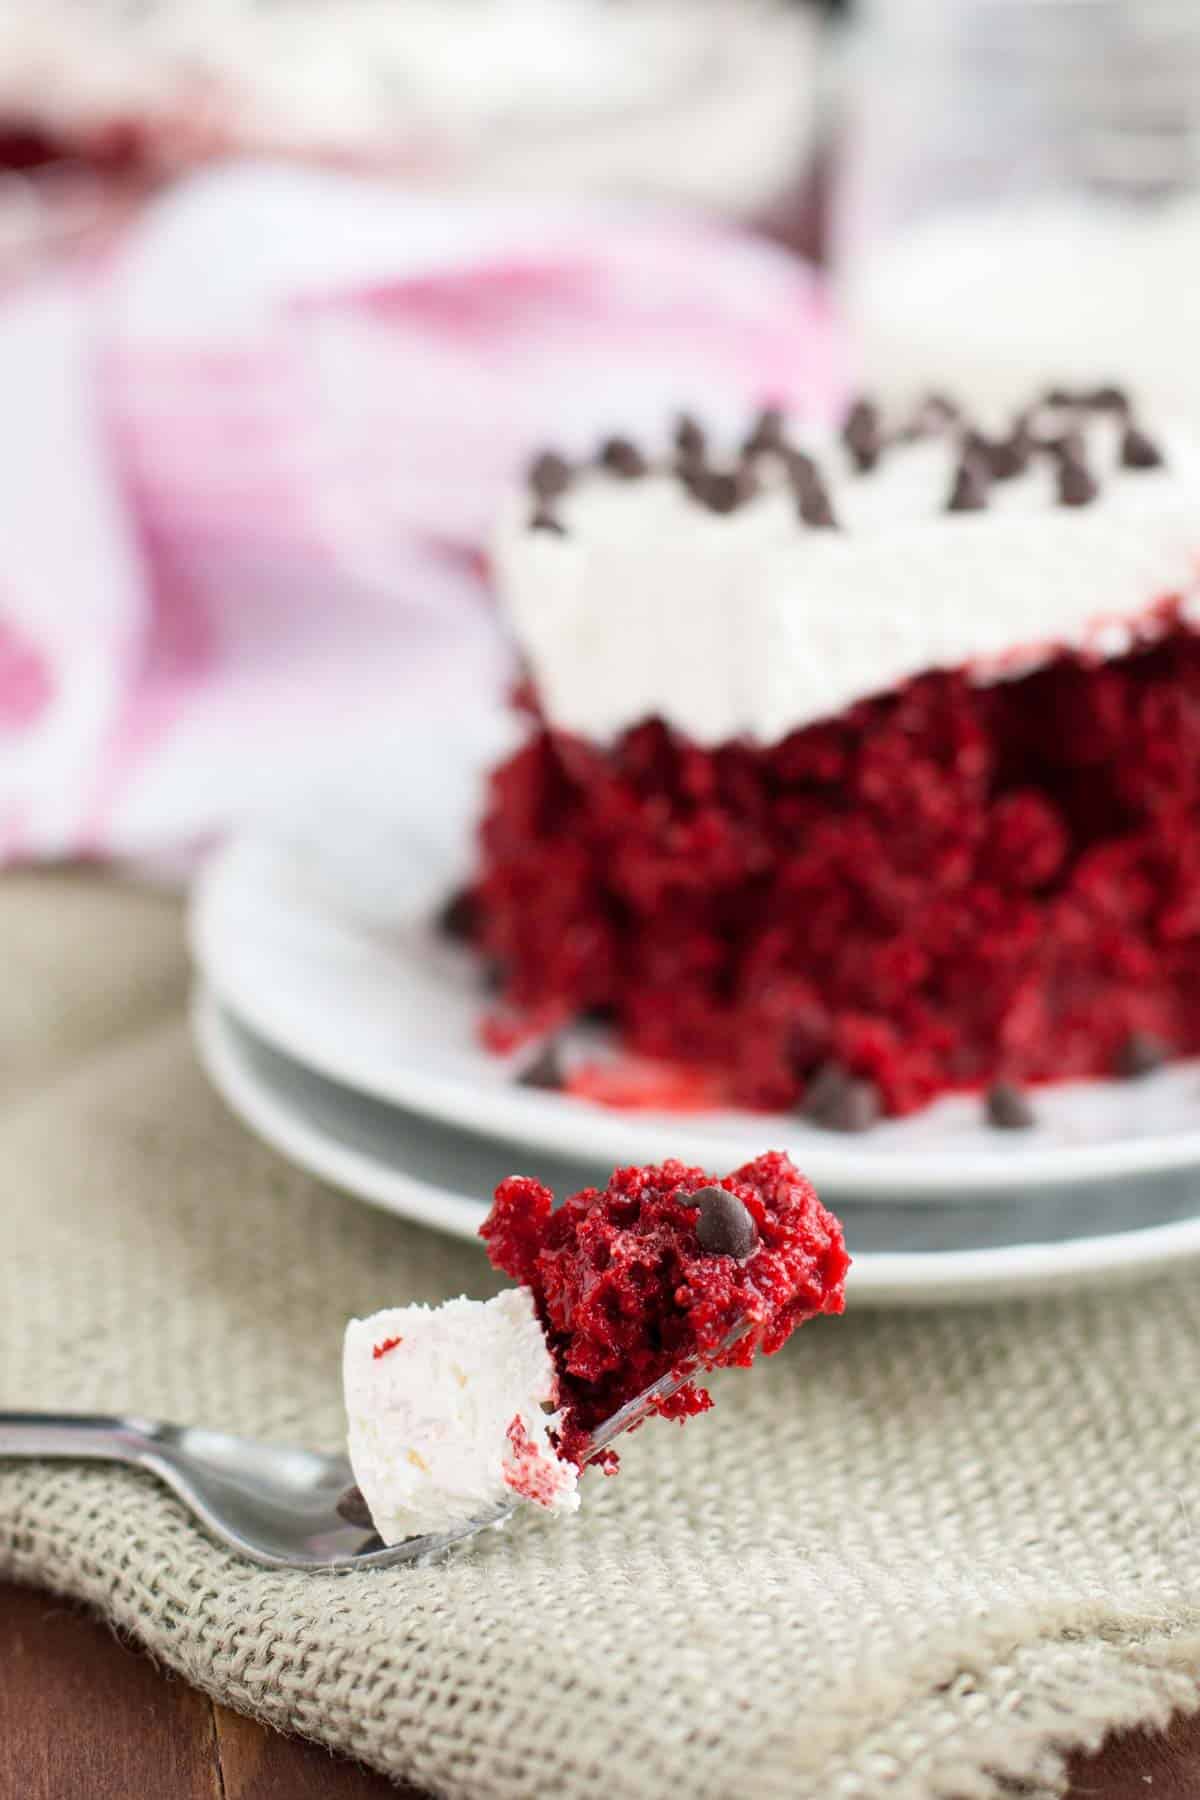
86 1717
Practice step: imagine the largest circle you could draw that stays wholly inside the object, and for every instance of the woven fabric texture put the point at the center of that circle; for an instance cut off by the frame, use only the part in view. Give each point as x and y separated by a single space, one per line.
913 1556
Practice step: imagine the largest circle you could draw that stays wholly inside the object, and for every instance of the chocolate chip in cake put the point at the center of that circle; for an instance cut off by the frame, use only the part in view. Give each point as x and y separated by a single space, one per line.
1076 484
353 1508
1139 451
725 1226
972 480
549 475
1140 1054
542 519
1008 1107
840 1101
857 1109
724 490
622 457
768 434
862 435
545 1072
458 917
689 436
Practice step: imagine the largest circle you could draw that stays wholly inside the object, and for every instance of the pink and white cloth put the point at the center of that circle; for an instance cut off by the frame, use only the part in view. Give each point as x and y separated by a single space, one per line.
248 465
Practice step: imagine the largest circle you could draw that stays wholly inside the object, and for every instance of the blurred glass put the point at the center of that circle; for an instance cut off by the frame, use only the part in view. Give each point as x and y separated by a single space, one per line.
964 101
998 153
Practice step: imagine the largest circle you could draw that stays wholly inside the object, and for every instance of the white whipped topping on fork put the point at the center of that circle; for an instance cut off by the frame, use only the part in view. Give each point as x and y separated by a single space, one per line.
446 1410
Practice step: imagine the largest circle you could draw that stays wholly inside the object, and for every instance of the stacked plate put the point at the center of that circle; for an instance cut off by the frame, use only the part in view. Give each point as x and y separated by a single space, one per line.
342 1026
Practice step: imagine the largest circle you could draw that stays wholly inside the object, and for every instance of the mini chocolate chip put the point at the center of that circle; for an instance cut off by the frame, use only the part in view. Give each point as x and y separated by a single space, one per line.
935 414
689 436
857 1109
1010 456
972 479
1067 446
1008 1108
822 1089
840 1101
800 467
767 434
725 1226
623 457
545 1071
863 435
1139 451
549 475
1140 1054
458 917
813 503
353 1508
1076 485
1107 399
724 490
542 519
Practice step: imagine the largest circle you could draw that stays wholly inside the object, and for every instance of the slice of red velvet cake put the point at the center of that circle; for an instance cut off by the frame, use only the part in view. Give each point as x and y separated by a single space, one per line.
657 1271
863 769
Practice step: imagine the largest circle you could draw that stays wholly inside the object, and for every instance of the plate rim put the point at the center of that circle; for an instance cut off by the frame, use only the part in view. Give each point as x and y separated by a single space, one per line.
878 1279
563 1125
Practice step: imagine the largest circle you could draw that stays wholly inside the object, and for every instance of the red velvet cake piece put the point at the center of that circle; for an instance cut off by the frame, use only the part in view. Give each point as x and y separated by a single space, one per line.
653 1272
860 772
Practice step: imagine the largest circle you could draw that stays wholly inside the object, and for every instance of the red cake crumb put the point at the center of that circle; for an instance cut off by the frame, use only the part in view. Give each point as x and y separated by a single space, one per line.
525 1471
384 1349
626 1292
942 887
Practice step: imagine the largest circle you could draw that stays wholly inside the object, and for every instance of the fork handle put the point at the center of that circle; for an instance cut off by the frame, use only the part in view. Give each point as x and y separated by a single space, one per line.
94 1437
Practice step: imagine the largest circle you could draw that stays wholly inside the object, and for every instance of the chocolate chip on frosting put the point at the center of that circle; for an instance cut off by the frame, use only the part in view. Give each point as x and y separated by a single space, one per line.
549 475
689 436
862 435
1076 484
1140 1054
768 433
1010 456
1107 399
972 479
725 1226
1008 1108
542 519
622 456
934 414
723 490
1139 451
813 502
812 498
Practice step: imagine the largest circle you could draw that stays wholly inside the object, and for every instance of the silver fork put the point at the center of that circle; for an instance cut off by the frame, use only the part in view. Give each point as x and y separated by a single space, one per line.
270 1503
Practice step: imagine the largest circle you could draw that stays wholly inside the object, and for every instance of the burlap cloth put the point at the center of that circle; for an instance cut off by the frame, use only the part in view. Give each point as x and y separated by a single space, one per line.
911 1556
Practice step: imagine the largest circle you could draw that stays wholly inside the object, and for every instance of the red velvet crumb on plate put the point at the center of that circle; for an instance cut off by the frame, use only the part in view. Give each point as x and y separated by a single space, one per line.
654 1271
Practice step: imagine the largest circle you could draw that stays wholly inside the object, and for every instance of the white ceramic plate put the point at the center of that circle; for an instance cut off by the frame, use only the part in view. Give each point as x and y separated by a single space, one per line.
915 1254
319 936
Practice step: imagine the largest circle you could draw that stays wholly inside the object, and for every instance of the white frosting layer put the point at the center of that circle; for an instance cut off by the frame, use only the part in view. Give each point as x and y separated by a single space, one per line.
431 1420
994 301
751 624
